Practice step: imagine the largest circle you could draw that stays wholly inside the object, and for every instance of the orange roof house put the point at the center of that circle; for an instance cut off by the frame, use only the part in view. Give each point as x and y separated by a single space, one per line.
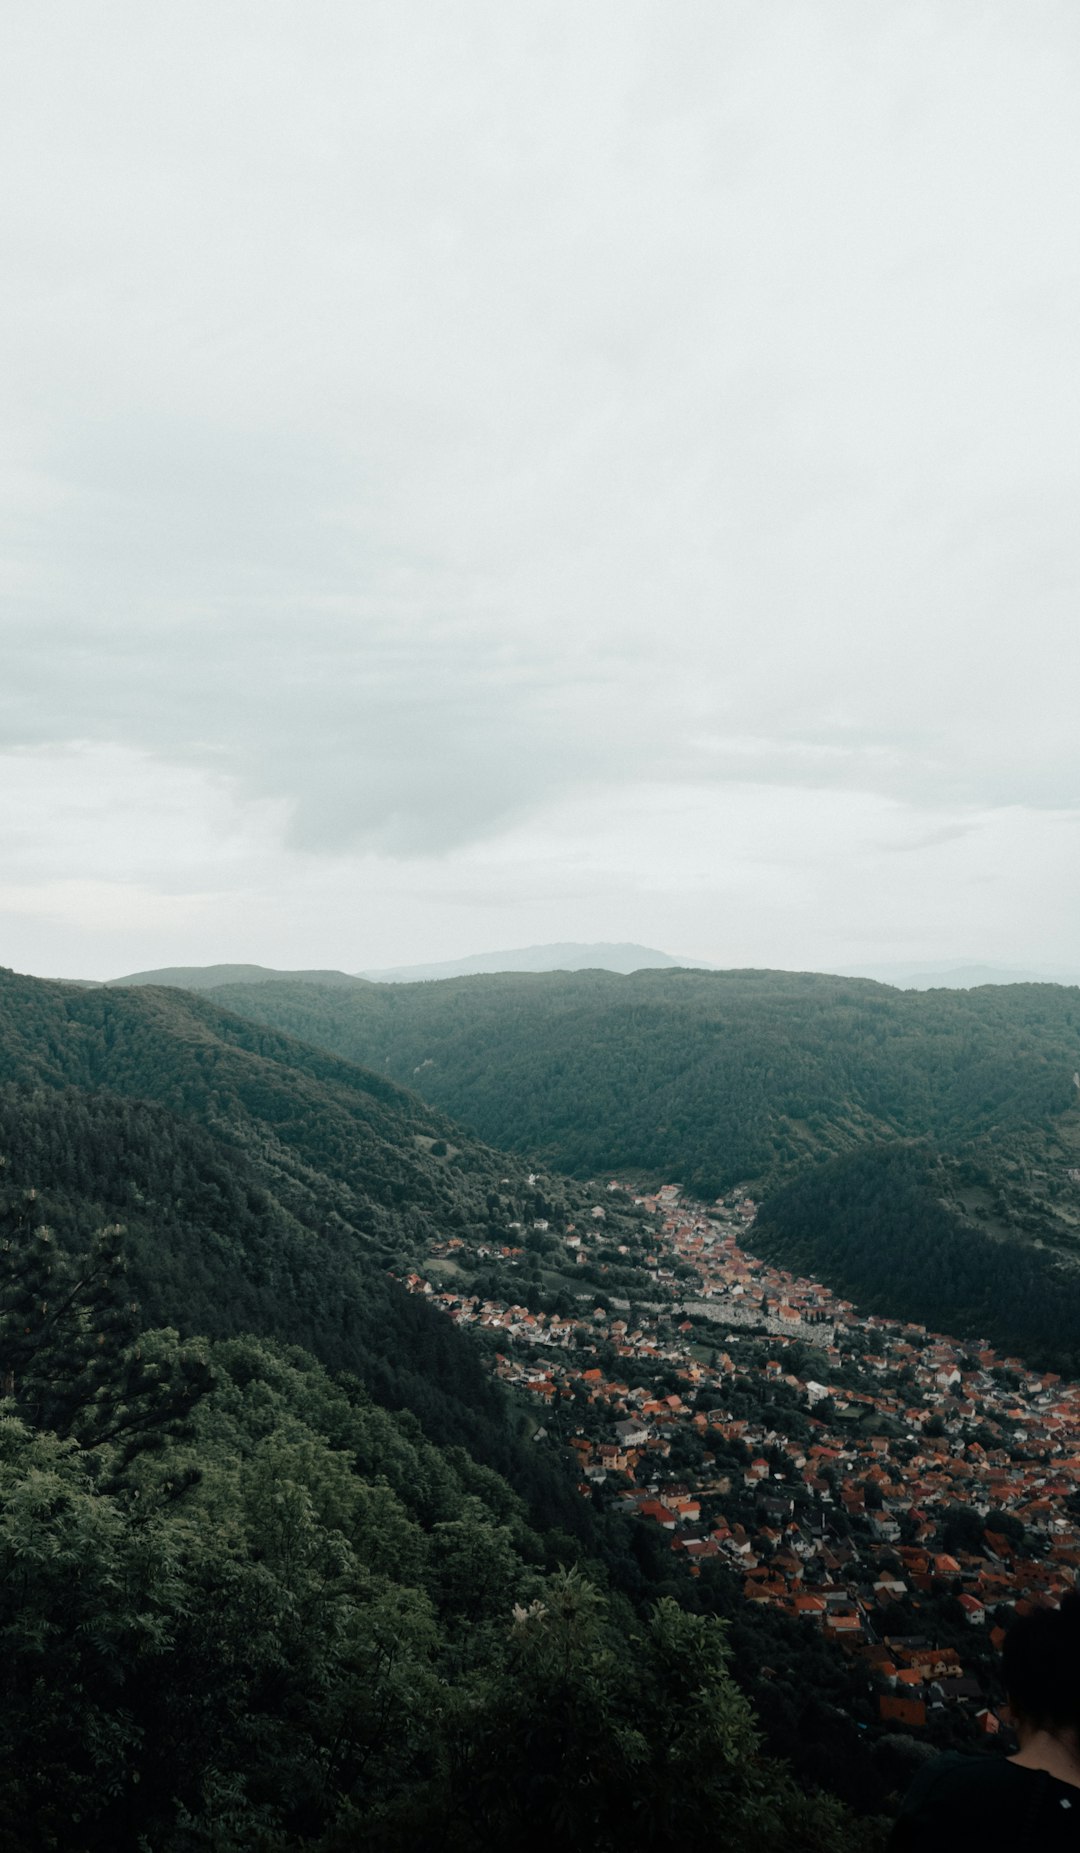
902 1710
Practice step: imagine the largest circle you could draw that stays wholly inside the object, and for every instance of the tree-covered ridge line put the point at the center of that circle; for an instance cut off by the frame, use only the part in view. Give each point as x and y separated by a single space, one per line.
978 1085
710 1078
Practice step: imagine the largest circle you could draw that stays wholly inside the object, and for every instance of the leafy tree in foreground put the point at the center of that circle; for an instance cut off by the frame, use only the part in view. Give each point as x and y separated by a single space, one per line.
295 1622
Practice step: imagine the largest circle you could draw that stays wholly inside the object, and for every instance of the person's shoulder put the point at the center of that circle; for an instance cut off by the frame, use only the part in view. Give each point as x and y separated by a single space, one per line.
960 1795
952 1774
955 1798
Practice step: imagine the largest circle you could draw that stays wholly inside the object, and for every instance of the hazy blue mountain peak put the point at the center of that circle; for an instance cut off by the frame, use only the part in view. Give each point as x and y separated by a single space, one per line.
207 977
571 956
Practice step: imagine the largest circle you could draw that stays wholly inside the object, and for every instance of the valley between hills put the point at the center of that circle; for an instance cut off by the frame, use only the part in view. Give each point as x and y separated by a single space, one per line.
499 1407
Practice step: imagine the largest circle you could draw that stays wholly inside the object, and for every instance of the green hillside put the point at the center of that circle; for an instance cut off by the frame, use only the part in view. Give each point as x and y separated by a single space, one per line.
709 1079
265 1187
891 1226
244 1608
713 1078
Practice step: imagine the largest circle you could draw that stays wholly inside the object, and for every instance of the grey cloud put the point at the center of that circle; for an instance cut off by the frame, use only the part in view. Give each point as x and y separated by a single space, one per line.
453 415
215 627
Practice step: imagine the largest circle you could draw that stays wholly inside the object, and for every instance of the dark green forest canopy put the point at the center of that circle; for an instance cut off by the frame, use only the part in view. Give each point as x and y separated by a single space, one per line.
886 1226
289 1620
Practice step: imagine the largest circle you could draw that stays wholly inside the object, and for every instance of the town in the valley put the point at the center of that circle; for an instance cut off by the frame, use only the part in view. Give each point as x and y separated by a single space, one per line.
897 1489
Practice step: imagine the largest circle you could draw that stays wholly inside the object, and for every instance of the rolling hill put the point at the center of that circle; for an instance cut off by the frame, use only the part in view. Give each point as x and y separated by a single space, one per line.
265 1187
209 977
568 956
764 1078
712 1078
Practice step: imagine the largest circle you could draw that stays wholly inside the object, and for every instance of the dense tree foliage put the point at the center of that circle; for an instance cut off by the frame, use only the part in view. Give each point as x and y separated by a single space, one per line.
286 1618
881 1225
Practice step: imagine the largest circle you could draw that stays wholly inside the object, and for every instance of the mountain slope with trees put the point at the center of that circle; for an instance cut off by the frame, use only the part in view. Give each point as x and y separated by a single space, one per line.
242 1607
265 1187
760 1078
713 1077
887 1226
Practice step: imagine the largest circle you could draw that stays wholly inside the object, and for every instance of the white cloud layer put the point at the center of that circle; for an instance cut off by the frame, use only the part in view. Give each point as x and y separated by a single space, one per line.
476 475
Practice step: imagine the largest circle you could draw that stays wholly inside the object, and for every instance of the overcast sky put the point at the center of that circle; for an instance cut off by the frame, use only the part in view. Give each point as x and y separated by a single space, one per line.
480 474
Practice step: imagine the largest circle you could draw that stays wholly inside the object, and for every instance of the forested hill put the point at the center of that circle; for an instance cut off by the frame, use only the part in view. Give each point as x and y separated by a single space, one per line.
265 1187
806 1087
707 1078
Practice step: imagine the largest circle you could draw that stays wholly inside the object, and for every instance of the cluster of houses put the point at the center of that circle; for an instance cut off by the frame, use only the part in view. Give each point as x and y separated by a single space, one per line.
911 1466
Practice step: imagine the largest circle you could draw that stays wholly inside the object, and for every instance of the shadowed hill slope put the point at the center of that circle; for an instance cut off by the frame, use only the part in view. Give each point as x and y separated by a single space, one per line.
265 1186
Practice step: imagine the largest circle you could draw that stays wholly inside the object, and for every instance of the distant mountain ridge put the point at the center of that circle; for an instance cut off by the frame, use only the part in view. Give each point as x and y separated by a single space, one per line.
710 1077
211 977
571 956
623 957
966 977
